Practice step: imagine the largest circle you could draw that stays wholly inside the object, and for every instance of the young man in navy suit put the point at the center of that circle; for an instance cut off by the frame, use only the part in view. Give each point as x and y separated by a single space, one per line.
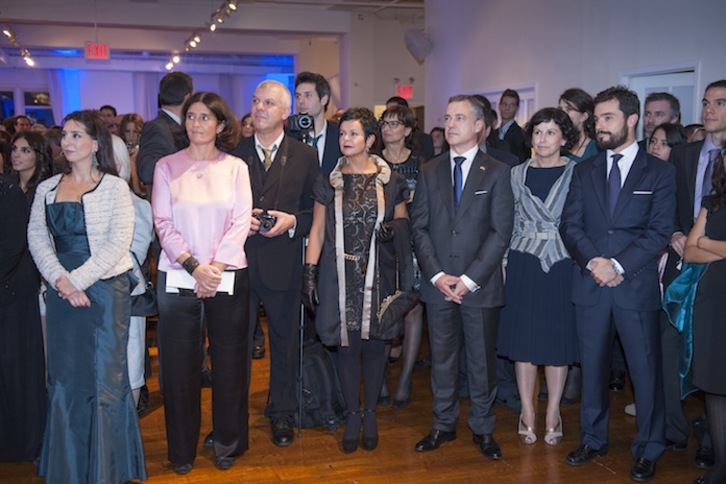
462 218
617 218
312 96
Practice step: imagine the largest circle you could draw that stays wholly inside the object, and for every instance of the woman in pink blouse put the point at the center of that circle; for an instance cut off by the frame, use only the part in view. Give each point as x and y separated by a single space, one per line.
202 203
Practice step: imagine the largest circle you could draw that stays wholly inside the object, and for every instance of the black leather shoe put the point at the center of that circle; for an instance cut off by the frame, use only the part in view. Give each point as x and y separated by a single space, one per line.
282 433
434 440
642 470
617 380
583 454
258 352
677 446
488 446
224 463
209 440
183 469
704 458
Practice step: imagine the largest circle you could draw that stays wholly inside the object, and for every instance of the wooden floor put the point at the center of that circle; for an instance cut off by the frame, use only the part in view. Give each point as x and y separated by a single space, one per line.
315 456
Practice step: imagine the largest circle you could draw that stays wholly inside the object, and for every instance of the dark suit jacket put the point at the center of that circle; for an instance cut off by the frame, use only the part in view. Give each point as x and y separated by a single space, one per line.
425 144
471 240
515 139
331 153
505 157
160 137
286 187
640 228
685 159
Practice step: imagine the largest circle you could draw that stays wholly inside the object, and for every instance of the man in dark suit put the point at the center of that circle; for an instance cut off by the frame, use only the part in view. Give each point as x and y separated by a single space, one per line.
282 172
617 217
692 176
462 217
659 108
312 96
165 134
508 129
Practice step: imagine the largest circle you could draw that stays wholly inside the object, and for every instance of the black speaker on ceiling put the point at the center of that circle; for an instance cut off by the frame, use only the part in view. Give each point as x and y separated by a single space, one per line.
418 43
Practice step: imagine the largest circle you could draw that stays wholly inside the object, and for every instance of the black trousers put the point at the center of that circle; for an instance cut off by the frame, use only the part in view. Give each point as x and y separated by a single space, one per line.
181 334
283 326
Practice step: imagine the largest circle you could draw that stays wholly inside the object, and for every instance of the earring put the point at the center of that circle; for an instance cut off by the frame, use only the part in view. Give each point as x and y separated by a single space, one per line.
94 161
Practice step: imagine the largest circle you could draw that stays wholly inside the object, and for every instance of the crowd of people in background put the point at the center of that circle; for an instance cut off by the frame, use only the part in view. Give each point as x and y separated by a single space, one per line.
551 244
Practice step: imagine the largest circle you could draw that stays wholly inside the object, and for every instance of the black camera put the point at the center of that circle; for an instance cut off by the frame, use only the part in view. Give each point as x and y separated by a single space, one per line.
267 221
300 122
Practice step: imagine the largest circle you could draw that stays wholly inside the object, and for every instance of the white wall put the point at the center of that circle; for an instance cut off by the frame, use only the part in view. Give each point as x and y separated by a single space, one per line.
557 44
363 53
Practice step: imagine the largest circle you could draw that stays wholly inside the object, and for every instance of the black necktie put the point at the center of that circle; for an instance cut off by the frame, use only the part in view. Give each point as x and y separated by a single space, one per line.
614 183
707 186
458 180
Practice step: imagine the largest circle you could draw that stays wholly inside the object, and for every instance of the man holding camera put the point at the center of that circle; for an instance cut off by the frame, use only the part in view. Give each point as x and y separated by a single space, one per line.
282 172
312 96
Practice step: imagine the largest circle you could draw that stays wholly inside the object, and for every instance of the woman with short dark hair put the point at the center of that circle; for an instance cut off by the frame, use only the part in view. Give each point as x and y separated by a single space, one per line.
537 326
352 205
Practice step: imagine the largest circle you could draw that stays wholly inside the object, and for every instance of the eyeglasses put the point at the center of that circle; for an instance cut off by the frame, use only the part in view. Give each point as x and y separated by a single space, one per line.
390 124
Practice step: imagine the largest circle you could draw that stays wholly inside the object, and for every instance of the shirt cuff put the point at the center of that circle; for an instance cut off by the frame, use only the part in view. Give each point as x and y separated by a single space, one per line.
471 285
436 277
291 232
617 267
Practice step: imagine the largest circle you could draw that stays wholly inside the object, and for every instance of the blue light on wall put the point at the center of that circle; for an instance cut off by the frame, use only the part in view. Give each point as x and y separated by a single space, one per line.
71 88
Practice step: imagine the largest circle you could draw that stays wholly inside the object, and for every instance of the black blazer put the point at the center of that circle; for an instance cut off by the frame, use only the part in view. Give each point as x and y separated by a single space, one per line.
286 187
160 137
18 275
515 139
471 240
685 159
331 152
634 235
505 157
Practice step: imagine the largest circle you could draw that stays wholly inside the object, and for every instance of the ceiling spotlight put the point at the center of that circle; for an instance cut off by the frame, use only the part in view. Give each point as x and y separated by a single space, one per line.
8 32
196 38
169 66
176 59
232 5
212 27
192 44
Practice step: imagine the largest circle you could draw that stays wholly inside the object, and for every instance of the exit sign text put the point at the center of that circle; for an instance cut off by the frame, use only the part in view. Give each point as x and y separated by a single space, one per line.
97 50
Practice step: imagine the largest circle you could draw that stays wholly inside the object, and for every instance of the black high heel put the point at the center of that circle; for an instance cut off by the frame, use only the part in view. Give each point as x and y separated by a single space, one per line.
352 426
369 440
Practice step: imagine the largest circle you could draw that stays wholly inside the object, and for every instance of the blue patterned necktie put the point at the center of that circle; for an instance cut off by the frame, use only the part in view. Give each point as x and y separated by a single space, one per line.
614 182
458 180
707 185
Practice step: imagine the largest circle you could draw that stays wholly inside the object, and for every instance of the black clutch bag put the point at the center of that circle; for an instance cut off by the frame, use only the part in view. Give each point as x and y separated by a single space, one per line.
144 304
394 307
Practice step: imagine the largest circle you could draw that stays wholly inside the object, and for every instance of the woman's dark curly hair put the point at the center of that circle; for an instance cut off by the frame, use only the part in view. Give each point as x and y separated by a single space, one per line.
561 119
228 138
367 120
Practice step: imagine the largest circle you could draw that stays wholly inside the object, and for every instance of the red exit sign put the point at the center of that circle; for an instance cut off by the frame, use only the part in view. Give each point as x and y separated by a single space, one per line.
404 90
98 51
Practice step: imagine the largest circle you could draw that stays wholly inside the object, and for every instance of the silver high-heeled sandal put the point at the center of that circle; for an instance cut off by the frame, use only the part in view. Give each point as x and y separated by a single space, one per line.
526 434
553 436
